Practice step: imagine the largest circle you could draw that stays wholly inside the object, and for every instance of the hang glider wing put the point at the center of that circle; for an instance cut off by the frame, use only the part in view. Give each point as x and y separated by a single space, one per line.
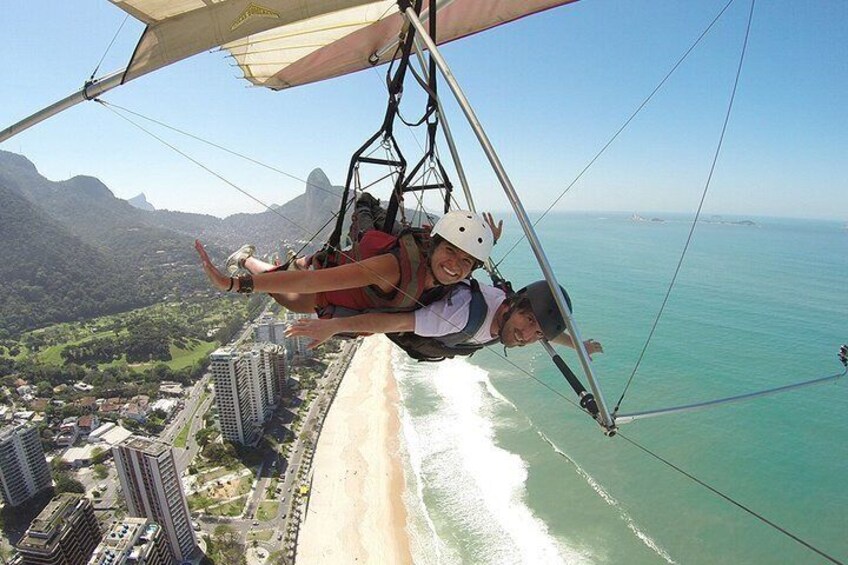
283 43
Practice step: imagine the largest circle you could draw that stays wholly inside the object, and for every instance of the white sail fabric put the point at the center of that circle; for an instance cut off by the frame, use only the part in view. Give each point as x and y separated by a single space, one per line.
284 43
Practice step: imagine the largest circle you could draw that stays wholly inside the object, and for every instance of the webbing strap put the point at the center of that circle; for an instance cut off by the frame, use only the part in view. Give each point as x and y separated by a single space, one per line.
477 310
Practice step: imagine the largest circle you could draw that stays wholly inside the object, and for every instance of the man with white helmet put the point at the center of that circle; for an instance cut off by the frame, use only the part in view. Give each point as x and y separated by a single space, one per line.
382 271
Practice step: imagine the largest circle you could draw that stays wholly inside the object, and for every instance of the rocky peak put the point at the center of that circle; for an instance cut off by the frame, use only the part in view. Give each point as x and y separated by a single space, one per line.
140 202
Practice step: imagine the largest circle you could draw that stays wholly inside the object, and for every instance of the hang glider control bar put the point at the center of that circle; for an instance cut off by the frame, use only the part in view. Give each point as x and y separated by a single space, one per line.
603 417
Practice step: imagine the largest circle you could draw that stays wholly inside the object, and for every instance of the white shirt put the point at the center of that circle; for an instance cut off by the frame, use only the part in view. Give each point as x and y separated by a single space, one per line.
449 315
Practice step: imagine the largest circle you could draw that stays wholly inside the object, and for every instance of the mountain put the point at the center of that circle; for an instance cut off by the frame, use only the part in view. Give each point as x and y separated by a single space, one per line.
50 275
141 203
72 250
89 235
148 254
304 217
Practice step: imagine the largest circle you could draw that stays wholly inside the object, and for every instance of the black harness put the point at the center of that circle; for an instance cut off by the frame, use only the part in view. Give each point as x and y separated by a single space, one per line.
451 345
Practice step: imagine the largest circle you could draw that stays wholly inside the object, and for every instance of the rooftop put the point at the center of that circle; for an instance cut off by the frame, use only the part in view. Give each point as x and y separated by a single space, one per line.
42 530
110 434
123 539
146 445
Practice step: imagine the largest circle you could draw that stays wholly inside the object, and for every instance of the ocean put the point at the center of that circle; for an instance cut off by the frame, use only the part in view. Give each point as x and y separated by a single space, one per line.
501 466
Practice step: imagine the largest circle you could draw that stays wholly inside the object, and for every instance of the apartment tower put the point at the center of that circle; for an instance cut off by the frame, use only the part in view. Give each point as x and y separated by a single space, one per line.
64 533
23 468
247 386
152 489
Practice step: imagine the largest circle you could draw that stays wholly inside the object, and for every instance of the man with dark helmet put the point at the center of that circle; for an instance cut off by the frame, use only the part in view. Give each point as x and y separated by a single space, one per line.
469 318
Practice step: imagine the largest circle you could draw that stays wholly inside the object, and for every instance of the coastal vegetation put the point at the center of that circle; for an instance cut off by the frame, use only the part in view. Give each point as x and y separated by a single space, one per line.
177 332
224 546
122 355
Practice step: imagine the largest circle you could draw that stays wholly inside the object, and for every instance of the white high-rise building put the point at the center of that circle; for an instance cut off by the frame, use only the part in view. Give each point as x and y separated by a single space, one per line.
296 345
232 396
152 489
247 386
270 329
23 467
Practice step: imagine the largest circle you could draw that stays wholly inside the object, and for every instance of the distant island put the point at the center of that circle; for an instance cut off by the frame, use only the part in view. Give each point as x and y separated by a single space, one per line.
636 217
715 219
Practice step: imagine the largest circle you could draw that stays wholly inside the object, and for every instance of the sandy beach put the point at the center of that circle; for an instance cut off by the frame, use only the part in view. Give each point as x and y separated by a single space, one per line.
356 511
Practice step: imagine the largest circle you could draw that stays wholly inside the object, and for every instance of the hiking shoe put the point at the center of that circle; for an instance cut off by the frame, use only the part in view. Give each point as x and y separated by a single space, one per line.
293 262
236 260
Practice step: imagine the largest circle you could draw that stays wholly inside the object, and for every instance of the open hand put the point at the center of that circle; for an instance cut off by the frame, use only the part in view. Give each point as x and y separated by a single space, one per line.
496 229
216 277
593 347
319 330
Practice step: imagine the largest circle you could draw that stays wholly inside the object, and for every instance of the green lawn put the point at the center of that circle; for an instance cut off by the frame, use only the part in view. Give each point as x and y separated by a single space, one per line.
189 312
181 358
53 355
210 476
267 510
230 509
264 535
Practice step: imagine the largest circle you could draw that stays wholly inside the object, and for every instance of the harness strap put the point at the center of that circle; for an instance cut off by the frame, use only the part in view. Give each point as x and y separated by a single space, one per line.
477 310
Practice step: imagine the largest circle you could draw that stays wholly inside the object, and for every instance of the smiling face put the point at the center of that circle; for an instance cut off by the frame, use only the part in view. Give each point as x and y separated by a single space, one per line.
450 264
520 329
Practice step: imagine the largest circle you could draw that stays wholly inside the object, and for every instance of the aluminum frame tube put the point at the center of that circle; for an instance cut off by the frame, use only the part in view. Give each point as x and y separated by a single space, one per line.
91 90
520 212
627 418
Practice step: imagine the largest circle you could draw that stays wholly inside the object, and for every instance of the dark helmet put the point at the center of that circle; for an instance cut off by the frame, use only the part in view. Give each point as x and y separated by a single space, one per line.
541 301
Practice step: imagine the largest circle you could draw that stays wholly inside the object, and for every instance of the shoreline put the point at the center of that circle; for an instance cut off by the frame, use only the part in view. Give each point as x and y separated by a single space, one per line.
356 510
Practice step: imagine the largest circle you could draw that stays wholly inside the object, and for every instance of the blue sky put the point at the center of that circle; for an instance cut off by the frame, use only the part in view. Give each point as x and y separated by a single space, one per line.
550 90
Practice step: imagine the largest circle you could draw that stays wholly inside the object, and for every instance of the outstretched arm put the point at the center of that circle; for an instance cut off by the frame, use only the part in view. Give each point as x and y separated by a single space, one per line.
375 323
382 270
591 345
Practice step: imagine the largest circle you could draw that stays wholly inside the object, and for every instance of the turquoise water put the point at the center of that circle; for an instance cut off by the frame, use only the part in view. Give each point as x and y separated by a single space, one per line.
503 470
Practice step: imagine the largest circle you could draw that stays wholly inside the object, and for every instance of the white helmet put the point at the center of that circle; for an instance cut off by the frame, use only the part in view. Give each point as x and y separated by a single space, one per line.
467 231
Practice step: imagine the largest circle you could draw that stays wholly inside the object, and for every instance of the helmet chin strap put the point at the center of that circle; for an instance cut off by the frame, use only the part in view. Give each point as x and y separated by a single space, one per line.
506 316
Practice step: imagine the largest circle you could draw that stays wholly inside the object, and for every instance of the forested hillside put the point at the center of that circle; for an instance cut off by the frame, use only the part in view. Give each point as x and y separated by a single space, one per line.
72 250
50 275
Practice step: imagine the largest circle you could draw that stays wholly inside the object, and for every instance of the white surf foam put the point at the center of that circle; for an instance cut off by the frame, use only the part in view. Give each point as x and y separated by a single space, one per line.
609 499
426 546
474 490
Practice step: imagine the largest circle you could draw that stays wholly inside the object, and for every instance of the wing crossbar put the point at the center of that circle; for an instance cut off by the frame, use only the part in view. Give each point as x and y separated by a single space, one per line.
633 416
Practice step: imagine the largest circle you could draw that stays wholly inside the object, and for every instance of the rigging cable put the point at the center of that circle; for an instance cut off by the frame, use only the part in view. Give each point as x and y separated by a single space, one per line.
843 356
204 167
220 147
108 47
697 213
621 129
729 499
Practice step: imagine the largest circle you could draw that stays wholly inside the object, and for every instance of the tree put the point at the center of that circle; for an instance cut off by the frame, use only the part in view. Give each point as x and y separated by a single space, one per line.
225 543
98 456
66 483
58 466
44 389
100 471
204 436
